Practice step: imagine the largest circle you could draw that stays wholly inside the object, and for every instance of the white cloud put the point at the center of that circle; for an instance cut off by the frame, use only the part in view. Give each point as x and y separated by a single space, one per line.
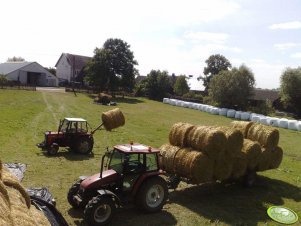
288 25
296 55
284 46
206 36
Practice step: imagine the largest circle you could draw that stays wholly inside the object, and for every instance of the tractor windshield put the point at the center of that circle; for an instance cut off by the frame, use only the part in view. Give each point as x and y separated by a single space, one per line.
116 162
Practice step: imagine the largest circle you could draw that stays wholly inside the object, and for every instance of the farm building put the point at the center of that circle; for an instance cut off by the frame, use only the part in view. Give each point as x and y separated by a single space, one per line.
69 67
28 73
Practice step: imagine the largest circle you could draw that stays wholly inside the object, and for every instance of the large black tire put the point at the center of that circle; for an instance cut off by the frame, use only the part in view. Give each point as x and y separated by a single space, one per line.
73 191
84 145
152 195
53 149
99 211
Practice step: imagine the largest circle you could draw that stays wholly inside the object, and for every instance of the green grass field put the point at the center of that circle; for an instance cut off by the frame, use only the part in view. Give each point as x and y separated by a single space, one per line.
26 115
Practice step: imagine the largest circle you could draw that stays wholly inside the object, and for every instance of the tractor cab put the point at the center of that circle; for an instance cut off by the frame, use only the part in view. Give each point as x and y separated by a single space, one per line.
73 125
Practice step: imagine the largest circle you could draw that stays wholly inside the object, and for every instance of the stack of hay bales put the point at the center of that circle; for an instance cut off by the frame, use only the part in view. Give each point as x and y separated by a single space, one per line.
210 153
267 139
112 119
15 207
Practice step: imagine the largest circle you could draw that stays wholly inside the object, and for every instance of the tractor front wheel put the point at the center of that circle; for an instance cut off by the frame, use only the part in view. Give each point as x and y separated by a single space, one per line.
152 195
84 145
73 191
99 211
53 149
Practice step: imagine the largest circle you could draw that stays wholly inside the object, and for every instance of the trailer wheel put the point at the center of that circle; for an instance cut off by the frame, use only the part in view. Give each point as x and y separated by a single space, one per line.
84 145
53 149
152 195
99 211
73 191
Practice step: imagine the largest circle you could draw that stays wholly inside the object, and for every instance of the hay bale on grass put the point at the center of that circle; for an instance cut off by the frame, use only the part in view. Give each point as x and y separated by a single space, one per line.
223 167
252 150
267 136
5 216
179 133
168 153
276 157
264 160
234 140
243 126
239 166
112 119
207 139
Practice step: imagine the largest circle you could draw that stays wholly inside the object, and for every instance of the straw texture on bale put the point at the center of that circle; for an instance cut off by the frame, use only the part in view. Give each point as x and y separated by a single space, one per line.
113 119
243 126
234 140
239 166
179 133
276 157
252 150
182 163
168 153
201 167
207 139
223 167
264 161
266 136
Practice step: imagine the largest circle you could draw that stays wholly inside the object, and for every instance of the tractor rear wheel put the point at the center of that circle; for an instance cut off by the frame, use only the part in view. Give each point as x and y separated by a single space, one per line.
53 149
99 211
152 195
84 145
73 191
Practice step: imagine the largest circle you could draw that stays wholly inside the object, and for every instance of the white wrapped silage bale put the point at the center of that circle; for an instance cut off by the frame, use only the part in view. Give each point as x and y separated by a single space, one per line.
179 103
214 111
274 122
204 107
165 100
208 109
283 123
231 113
237 114
195 106
185 104
200 107
190 105
223 111
172 102
292 124
263 120
299 125
255 118
245 116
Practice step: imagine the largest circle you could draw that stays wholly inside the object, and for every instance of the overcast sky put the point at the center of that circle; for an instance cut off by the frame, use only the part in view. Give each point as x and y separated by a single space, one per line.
177 36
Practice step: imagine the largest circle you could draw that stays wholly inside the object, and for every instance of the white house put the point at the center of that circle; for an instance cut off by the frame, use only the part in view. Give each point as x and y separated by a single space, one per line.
69 66
28 73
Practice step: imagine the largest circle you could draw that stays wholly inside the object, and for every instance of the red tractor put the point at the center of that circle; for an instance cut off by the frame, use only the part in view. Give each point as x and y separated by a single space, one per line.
73 133
131 175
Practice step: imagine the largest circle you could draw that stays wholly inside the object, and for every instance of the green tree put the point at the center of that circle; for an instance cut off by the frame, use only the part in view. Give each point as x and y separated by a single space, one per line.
215 64
112 66
181 86
15 59
157 84
232 88
51 70
290 89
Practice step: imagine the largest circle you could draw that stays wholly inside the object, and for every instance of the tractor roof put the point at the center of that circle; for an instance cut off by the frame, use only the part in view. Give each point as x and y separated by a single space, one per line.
136 148
75 119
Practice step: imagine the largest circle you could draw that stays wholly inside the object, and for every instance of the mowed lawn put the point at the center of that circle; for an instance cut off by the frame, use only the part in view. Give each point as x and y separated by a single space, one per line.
26 115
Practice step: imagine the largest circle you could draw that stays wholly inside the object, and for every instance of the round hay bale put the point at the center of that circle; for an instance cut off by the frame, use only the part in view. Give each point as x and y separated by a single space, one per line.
242 126
245 116
5 216
223 167
207 139
253 151
201 167
238 114
274 122
265 135
264 160
231 113
182 163
112 119
276 157
223 111
234 140
283 123
168 153
178 134
292 124
239 166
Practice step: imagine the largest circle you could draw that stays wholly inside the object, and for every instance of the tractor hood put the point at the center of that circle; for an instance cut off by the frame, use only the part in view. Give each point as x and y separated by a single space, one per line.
94 182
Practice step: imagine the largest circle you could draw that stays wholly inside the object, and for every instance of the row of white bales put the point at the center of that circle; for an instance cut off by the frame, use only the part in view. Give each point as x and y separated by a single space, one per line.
231 113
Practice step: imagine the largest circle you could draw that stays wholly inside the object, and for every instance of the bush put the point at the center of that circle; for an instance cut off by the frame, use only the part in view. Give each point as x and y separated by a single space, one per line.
265 108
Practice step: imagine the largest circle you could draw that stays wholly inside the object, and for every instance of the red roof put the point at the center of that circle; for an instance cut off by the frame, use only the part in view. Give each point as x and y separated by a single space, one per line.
136 148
